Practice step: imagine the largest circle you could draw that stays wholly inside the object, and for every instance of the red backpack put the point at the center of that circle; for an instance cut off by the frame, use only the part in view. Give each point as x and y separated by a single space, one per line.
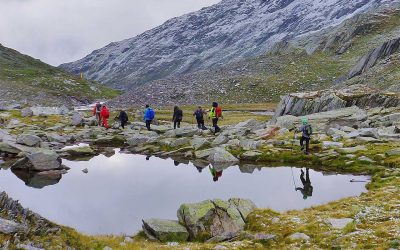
105 113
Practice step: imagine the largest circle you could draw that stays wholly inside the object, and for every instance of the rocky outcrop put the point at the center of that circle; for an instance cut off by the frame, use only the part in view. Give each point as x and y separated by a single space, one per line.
369 60
300 104
11 210
215 220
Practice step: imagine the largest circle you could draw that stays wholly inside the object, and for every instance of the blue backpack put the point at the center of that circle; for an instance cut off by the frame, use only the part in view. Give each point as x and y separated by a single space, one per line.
151 114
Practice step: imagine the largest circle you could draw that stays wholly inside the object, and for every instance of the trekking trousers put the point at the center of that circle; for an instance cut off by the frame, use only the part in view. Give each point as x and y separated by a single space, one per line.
200 123
148 123
307 141
105 123
177 123
215 125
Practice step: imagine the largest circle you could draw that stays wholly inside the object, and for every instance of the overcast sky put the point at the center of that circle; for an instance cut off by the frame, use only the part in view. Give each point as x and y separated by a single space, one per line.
59 31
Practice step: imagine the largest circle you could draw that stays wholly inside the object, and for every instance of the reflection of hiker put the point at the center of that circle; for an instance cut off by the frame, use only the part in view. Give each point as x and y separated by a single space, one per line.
149 115
200 169
306 131
307 189
104 114
199 114
96 112
148 157
215 114
177 117
216 174
123 118
176 163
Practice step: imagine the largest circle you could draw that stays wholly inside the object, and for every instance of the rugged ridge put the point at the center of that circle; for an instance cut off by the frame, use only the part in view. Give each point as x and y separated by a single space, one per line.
299 104
226 32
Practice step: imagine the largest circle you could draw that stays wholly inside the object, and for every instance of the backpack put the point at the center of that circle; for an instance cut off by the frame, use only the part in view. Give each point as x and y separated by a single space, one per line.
199 114
151 114
106 113
308 130
98 108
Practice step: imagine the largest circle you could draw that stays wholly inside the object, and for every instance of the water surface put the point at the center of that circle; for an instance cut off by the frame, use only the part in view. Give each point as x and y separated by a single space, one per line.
119 191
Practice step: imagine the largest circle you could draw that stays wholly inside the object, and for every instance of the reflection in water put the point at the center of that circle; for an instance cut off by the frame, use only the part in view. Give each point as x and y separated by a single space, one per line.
39 179
121 190
307 189
215 174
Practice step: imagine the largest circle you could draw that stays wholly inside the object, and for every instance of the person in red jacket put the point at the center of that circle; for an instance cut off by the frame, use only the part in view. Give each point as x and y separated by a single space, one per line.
104 114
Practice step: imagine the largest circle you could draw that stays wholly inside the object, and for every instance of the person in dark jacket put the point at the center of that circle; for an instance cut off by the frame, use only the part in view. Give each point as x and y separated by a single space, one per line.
199 114
177 117
123 118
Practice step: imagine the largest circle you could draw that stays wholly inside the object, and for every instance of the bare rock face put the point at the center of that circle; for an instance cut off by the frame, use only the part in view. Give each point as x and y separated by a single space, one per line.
300 104
369 60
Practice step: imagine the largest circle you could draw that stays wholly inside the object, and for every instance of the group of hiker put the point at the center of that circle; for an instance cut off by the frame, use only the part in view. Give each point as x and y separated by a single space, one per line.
215 113
177 117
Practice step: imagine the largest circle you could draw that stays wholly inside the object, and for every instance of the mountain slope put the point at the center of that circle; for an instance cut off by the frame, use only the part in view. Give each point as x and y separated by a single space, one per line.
317 61
212 37
25 79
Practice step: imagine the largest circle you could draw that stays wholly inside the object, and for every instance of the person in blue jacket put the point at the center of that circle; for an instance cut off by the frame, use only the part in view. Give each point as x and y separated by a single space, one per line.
149 115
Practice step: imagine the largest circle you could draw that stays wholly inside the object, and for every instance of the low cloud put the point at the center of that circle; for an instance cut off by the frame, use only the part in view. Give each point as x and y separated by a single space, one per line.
59 31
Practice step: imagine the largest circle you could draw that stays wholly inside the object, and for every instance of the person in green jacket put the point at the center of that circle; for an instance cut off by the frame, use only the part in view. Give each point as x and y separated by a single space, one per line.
215 115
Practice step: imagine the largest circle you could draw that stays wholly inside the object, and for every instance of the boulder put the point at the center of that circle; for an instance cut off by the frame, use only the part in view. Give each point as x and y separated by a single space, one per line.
220 155
365 159
165 230
331 144
137 140
26 112
91 121
352 150
200 154
299 236
250 155
41 160
10 148
10 227
184 132
29 140
180 142
339 223
215 218
221 139
79 151
53 137
393 152
77 119
249 144
199 143
369 132
252 124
